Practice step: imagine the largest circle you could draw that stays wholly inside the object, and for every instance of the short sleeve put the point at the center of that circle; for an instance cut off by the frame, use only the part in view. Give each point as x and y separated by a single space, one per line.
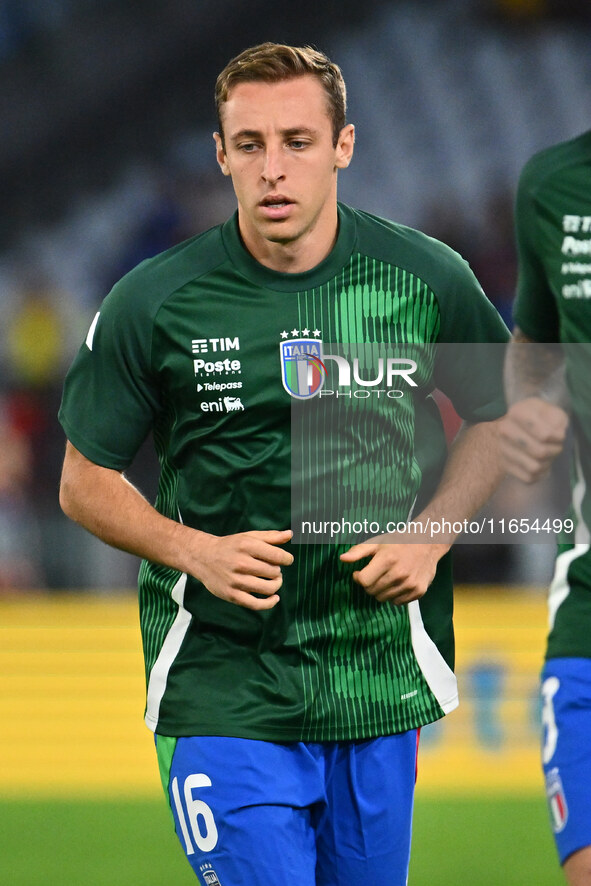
471 347
534 310
110 396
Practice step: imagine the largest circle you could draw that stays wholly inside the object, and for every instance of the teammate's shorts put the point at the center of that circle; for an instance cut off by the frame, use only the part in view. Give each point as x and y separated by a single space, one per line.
254 813
566 751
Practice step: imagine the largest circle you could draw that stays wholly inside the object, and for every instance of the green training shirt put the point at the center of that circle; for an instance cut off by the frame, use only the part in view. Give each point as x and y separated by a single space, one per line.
553 223
201 344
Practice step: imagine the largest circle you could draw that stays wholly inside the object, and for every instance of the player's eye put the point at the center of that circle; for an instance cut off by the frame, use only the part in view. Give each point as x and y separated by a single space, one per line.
247 147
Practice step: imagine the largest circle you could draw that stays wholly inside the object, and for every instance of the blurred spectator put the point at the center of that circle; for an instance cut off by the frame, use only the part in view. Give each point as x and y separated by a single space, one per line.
16 27
20 547
486 244
161 222
493 257
522 10
528 11
35 340
37 333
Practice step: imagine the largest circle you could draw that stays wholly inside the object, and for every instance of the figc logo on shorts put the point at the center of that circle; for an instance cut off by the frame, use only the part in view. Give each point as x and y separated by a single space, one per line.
302 369
556 801
210 878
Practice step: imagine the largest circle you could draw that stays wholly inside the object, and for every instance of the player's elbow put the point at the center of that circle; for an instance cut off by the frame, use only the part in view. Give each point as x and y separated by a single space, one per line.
76 480
67 497
71 486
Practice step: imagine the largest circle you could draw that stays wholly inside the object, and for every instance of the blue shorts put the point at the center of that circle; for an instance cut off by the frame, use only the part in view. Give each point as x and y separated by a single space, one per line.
566 751
326 814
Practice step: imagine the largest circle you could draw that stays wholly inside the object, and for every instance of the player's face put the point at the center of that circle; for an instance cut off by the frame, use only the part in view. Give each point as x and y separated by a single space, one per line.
279 152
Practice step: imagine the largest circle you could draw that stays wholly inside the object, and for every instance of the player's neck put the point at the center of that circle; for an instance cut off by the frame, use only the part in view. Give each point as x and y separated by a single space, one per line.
296 255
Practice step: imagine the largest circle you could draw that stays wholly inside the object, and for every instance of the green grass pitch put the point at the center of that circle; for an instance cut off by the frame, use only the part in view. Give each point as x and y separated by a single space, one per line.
501 842
483 842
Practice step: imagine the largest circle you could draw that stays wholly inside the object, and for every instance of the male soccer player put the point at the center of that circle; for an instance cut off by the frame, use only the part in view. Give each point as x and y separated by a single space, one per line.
546 383
285 683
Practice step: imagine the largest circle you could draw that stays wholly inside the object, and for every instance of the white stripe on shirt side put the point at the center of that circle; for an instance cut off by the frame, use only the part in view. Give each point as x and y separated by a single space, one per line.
559 587
167 655
439 676
90 335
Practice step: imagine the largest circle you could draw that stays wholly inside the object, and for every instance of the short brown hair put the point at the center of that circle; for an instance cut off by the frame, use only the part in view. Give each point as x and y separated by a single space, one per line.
273 62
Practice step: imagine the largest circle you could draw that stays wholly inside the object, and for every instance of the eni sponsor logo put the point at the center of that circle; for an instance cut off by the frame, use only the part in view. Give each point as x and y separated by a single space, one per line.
222 404
579 290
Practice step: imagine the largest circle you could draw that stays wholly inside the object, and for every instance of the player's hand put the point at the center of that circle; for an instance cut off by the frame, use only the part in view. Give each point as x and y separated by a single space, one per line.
245 568
397 572
532 434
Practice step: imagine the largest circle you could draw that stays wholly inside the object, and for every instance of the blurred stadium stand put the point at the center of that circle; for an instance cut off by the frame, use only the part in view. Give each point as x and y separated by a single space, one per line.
106 157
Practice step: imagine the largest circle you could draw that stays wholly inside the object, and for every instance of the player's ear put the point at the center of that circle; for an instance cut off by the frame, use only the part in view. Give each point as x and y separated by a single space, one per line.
220 153
345 145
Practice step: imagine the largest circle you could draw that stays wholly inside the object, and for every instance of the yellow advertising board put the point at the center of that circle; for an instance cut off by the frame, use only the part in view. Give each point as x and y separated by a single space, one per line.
490 743
72 692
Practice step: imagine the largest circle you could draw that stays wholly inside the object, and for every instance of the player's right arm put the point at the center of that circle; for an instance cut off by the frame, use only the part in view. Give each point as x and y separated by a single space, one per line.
244 569
533 431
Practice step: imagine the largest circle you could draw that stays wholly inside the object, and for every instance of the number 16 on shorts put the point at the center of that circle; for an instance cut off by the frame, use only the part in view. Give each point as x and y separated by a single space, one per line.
195 817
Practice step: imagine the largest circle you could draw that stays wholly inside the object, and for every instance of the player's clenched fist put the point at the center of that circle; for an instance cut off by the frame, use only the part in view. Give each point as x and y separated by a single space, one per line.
531 435
398 573
238 568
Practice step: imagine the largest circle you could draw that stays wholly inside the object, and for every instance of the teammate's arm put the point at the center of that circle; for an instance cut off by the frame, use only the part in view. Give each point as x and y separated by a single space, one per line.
401 571
534 429
234 567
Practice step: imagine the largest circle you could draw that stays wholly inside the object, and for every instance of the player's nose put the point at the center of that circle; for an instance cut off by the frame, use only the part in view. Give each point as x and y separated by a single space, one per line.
273 165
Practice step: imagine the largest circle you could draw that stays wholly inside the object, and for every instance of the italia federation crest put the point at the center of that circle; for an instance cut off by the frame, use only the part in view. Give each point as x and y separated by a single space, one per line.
302 368
210 878
556 801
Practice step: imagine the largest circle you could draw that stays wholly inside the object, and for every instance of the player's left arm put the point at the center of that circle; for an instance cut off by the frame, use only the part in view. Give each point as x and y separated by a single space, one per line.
533 431
402 567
